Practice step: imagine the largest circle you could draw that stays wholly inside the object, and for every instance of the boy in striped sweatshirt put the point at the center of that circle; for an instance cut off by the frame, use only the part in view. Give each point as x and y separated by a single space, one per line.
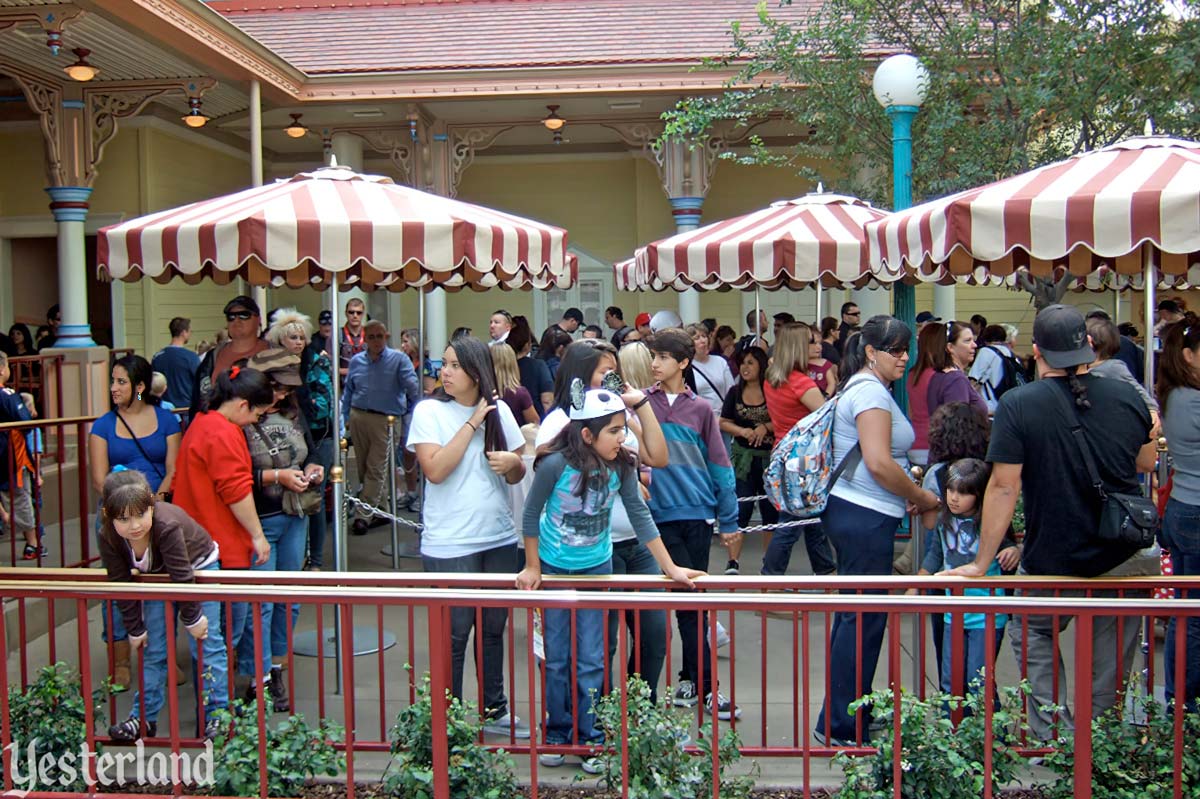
695 486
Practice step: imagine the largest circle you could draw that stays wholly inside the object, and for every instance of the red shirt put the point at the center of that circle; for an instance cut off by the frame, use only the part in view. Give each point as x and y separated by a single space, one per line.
918 407
212 472
783 403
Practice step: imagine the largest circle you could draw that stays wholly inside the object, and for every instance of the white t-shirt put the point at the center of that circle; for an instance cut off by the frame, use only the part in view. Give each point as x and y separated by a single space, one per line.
713 381
469 511
988 371
861 488
552 425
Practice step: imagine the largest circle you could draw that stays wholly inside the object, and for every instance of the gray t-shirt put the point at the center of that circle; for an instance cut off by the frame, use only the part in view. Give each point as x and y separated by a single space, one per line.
865 393
1117 370
1181 426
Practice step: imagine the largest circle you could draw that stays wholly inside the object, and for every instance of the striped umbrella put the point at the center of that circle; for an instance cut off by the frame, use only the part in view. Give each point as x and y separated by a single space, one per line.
1114 207
365 229
815 239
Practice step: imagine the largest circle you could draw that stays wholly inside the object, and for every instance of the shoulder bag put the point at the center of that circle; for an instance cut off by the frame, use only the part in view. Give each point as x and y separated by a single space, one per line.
1130 519
137 443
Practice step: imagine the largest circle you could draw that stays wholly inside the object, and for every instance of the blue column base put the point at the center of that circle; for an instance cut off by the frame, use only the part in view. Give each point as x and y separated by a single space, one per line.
74 337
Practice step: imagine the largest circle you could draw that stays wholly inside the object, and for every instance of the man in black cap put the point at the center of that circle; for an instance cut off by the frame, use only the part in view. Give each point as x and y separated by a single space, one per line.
243 323
1033 446
926 318
320 339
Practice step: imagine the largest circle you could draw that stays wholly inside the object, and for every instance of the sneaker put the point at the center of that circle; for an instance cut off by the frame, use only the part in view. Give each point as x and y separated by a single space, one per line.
212 730
414 503
551 760
32 553
130 730
277 688
685 694
732 567
726 710
506 724
833 743
722 636
592 765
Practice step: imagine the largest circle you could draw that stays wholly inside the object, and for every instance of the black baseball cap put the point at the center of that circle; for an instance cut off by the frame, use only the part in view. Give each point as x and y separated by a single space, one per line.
1060 334
1170 306
927 316
242 302
325 318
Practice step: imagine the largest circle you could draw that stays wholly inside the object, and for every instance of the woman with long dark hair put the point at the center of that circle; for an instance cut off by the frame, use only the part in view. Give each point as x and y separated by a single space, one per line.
136 434
1179 391
22 340
953 352
865 507
469 447
550 348
930 342
745 417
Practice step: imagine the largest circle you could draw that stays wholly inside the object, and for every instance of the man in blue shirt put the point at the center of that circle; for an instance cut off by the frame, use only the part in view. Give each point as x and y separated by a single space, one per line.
380 382
177 363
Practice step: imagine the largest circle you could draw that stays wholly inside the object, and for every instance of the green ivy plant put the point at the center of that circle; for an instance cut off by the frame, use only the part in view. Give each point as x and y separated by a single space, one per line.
653 736
296 752
938 760
50 713
1131 759
476 772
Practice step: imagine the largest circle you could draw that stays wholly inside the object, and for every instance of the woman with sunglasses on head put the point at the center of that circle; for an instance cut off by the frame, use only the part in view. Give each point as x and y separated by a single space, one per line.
287 480
243 323
865 508
469 446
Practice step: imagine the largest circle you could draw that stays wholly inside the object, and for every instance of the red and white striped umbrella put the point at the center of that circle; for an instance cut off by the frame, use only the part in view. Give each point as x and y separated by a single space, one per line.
792 243
1095 209
366 229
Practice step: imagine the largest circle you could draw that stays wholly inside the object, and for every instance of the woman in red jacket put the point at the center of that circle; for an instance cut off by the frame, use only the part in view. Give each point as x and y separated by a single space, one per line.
214 483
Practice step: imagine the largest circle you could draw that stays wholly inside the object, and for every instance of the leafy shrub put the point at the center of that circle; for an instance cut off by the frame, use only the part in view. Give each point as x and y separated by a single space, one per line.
50 714
659 768
295 752
1131 760
938 760
476 772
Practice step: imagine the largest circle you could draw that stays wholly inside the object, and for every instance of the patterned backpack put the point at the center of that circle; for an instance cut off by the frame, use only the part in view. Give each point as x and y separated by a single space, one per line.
800 475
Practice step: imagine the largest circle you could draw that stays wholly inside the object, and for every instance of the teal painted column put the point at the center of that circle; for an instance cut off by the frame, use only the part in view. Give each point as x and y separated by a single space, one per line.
904 296
69 204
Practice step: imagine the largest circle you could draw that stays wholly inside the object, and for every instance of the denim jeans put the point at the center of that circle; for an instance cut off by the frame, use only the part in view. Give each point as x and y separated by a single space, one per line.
498 560
649 651
154 658
589 667
107 606
287 536
1181 537
865 542
779 551
317 524
688 544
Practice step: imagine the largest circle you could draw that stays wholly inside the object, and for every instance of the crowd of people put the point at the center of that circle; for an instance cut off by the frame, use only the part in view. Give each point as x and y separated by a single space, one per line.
639 449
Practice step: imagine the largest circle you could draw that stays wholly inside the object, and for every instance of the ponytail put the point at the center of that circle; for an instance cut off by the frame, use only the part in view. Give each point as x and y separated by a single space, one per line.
1078 389
240 383
854 358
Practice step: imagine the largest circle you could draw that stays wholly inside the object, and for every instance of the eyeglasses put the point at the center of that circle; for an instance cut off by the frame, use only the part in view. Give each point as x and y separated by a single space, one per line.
355 313
238 315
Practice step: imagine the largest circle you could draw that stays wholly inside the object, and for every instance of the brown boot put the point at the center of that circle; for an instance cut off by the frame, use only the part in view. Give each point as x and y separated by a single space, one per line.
121 676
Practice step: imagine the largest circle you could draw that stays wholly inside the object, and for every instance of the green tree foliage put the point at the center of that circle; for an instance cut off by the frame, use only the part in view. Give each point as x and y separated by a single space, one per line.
1014 84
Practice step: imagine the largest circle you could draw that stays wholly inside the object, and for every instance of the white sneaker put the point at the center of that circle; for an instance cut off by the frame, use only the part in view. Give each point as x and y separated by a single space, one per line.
726 710
552 760
591 765
722 636
685 694
507 724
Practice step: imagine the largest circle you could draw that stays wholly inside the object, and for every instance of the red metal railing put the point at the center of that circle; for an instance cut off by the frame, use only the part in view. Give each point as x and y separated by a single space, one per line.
372 688
37 375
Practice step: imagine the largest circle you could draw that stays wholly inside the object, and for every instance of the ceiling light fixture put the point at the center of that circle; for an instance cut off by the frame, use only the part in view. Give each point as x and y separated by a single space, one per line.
553 121
194 118
296 130
81 70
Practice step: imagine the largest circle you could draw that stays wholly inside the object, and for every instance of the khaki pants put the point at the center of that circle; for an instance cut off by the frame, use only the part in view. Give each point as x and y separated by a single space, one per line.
369 432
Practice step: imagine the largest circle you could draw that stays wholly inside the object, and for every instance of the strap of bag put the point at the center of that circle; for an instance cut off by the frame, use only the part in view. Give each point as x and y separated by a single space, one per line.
716 390
854 456
1085 449
138 444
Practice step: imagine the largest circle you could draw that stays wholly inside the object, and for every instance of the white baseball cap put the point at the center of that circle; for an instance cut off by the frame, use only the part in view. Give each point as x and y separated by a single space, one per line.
664 319
595 403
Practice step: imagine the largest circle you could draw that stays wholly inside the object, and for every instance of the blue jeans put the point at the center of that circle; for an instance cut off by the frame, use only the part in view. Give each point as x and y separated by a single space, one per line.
779 551
107 606
1181 537
154 658
287 536
864 541
650 649
589 667
317 525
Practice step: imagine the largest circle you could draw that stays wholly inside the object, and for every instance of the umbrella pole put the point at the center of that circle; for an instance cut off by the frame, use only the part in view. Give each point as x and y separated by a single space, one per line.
1151 283
339 486
757 316
820 291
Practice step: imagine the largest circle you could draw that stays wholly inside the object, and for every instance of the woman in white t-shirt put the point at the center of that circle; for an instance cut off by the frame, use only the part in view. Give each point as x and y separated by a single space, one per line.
713 376
470 449
590 360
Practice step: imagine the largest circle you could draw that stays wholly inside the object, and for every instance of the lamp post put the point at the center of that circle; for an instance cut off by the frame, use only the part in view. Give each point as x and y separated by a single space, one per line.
899 86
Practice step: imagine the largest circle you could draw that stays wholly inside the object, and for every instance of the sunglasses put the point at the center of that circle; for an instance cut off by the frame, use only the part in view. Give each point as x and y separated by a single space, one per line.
354 313
853 313
897 351
238 315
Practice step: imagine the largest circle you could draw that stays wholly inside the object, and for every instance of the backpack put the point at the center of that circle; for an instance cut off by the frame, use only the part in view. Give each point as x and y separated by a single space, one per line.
320 389
800 475
1012 373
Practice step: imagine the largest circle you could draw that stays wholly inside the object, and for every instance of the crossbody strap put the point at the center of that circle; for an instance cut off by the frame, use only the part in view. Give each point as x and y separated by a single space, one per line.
138 444
1085 449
